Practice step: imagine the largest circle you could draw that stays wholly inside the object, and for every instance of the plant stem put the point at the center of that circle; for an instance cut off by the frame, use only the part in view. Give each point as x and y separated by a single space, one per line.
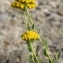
30 47
48 55
29 16
25 21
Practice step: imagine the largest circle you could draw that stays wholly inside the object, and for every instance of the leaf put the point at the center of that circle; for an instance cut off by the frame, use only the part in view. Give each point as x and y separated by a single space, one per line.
51 61
45 52
45 43
38 31
33 26
40 60
56 56
28 26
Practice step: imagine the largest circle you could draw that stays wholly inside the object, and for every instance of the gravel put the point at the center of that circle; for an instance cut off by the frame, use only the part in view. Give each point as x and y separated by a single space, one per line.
47 16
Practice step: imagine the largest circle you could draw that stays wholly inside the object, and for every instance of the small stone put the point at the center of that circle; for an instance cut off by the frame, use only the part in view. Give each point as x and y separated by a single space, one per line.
17 60
60 10
54 4
3 16
7 42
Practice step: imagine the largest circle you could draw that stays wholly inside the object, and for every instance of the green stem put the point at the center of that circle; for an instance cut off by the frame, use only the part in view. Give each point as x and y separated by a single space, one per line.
29 44
30 50
29 16
25 21
30 47
48 55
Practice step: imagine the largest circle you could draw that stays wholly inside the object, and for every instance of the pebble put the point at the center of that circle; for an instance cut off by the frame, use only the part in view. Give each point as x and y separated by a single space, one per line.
3 16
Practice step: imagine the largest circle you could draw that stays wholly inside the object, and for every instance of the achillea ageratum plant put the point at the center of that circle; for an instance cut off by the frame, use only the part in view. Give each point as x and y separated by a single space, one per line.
31 33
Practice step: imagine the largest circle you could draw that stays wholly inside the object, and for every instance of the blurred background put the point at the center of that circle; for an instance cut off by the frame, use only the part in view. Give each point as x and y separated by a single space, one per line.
47 16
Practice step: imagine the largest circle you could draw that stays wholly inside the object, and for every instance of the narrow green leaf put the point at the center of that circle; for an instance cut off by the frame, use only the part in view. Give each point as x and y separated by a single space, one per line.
33 26
28 26
38 31
40 60
50 61
45 43
56 57
45 52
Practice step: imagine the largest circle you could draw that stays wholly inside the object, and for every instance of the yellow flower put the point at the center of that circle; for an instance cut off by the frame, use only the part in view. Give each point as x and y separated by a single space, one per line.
30 6
22 4
15 4
30 35
26 1
16 0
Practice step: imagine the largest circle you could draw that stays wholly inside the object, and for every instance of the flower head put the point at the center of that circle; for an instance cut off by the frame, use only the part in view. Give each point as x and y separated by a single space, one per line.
22 4
30 35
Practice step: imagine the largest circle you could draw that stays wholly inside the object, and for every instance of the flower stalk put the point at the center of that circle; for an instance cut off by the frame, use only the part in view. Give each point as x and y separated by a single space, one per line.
51 60
33 54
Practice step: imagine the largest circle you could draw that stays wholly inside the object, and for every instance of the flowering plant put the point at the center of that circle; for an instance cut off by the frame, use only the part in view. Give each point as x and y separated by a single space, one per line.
32 34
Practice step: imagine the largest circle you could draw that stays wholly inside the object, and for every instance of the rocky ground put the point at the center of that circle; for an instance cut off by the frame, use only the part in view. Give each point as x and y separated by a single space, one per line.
47 16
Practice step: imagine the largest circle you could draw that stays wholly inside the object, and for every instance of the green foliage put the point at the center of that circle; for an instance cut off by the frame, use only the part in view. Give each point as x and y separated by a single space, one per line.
28 27
33 26
34 58
56 57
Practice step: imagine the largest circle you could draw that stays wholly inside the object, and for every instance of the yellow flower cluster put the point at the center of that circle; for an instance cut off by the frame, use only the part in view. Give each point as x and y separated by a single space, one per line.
30 35
22 4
